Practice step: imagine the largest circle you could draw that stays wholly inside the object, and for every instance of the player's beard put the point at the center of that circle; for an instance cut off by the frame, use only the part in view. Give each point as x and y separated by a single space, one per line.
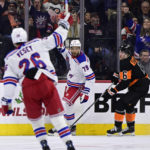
75 54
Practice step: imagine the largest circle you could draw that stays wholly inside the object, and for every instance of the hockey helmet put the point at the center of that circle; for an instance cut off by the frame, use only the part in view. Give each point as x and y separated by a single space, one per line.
75 43
126 48
19 35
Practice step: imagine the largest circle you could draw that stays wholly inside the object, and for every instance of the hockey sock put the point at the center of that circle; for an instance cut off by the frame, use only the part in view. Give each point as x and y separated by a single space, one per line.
130 119
69 113
39 129
119 119
61 127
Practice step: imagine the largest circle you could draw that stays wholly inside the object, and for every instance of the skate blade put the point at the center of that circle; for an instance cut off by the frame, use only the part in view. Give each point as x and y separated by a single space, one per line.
73 133
129 134
115 134
53 134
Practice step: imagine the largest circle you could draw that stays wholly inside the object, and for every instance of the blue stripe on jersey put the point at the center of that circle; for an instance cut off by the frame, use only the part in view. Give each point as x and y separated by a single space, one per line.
64 132
90 77
41 134
10 83
81 58
61 50
40 131
53 72
9 77
58 38
86 89
11 53
73 84
10 80
32 41
69 117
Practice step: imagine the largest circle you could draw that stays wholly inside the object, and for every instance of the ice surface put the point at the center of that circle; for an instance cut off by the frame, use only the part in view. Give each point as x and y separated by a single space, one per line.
80 142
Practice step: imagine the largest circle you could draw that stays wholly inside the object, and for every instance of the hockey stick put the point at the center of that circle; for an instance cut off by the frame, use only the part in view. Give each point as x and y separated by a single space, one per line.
66 10
89 107
52 131
66 6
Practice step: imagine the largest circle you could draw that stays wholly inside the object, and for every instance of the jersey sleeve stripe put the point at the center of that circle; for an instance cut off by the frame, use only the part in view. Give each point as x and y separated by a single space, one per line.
53 72
90 77
10 80
72 84
11 53
32 41
9 77
61 50
58 38
5 83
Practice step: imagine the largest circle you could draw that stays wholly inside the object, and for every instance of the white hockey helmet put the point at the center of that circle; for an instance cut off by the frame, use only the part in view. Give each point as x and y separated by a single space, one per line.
75 43
19 35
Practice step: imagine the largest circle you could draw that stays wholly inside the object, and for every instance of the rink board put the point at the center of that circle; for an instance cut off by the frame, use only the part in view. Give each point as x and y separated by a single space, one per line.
82 129
95 122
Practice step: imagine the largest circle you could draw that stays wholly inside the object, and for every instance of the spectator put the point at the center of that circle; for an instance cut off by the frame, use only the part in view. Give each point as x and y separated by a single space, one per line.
10 20
94 31
5 47
142 33
41 19
74 31
144 11
20 9
87 21
128 34
75 5
145 60
87 18
3 7
32 30
101 63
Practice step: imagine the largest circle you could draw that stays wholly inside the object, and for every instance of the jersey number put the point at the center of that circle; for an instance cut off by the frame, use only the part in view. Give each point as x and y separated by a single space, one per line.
37 63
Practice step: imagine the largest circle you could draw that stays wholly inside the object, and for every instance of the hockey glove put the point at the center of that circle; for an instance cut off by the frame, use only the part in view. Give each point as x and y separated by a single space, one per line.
64 24
6 105
62 16
109 93
115 78
84 95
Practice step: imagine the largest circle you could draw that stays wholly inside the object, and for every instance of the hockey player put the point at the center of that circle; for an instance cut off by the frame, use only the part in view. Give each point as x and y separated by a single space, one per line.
79 79
133 77
29 64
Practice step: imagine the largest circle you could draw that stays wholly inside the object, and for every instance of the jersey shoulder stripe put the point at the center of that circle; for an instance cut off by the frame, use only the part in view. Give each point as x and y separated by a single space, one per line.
11 53
15 50
32 41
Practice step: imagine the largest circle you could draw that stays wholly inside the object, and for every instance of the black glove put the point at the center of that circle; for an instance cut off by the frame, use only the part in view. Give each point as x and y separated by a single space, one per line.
109 93
115 78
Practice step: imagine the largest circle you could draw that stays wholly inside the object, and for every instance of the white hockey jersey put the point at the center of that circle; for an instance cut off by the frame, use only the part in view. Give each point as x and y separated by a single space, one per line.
80 72
31 54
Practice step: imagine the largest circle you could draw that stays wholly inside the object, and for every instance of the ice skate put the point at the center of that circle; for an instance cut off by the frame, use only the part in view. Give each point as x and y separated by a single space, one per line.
128 131
52 132
73 130
70 145
44 145
114 131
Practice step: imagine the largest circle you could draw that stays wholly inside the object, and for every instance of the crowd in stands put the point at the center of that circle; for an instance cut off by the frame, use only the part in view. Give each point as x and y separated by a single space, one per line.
100 28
